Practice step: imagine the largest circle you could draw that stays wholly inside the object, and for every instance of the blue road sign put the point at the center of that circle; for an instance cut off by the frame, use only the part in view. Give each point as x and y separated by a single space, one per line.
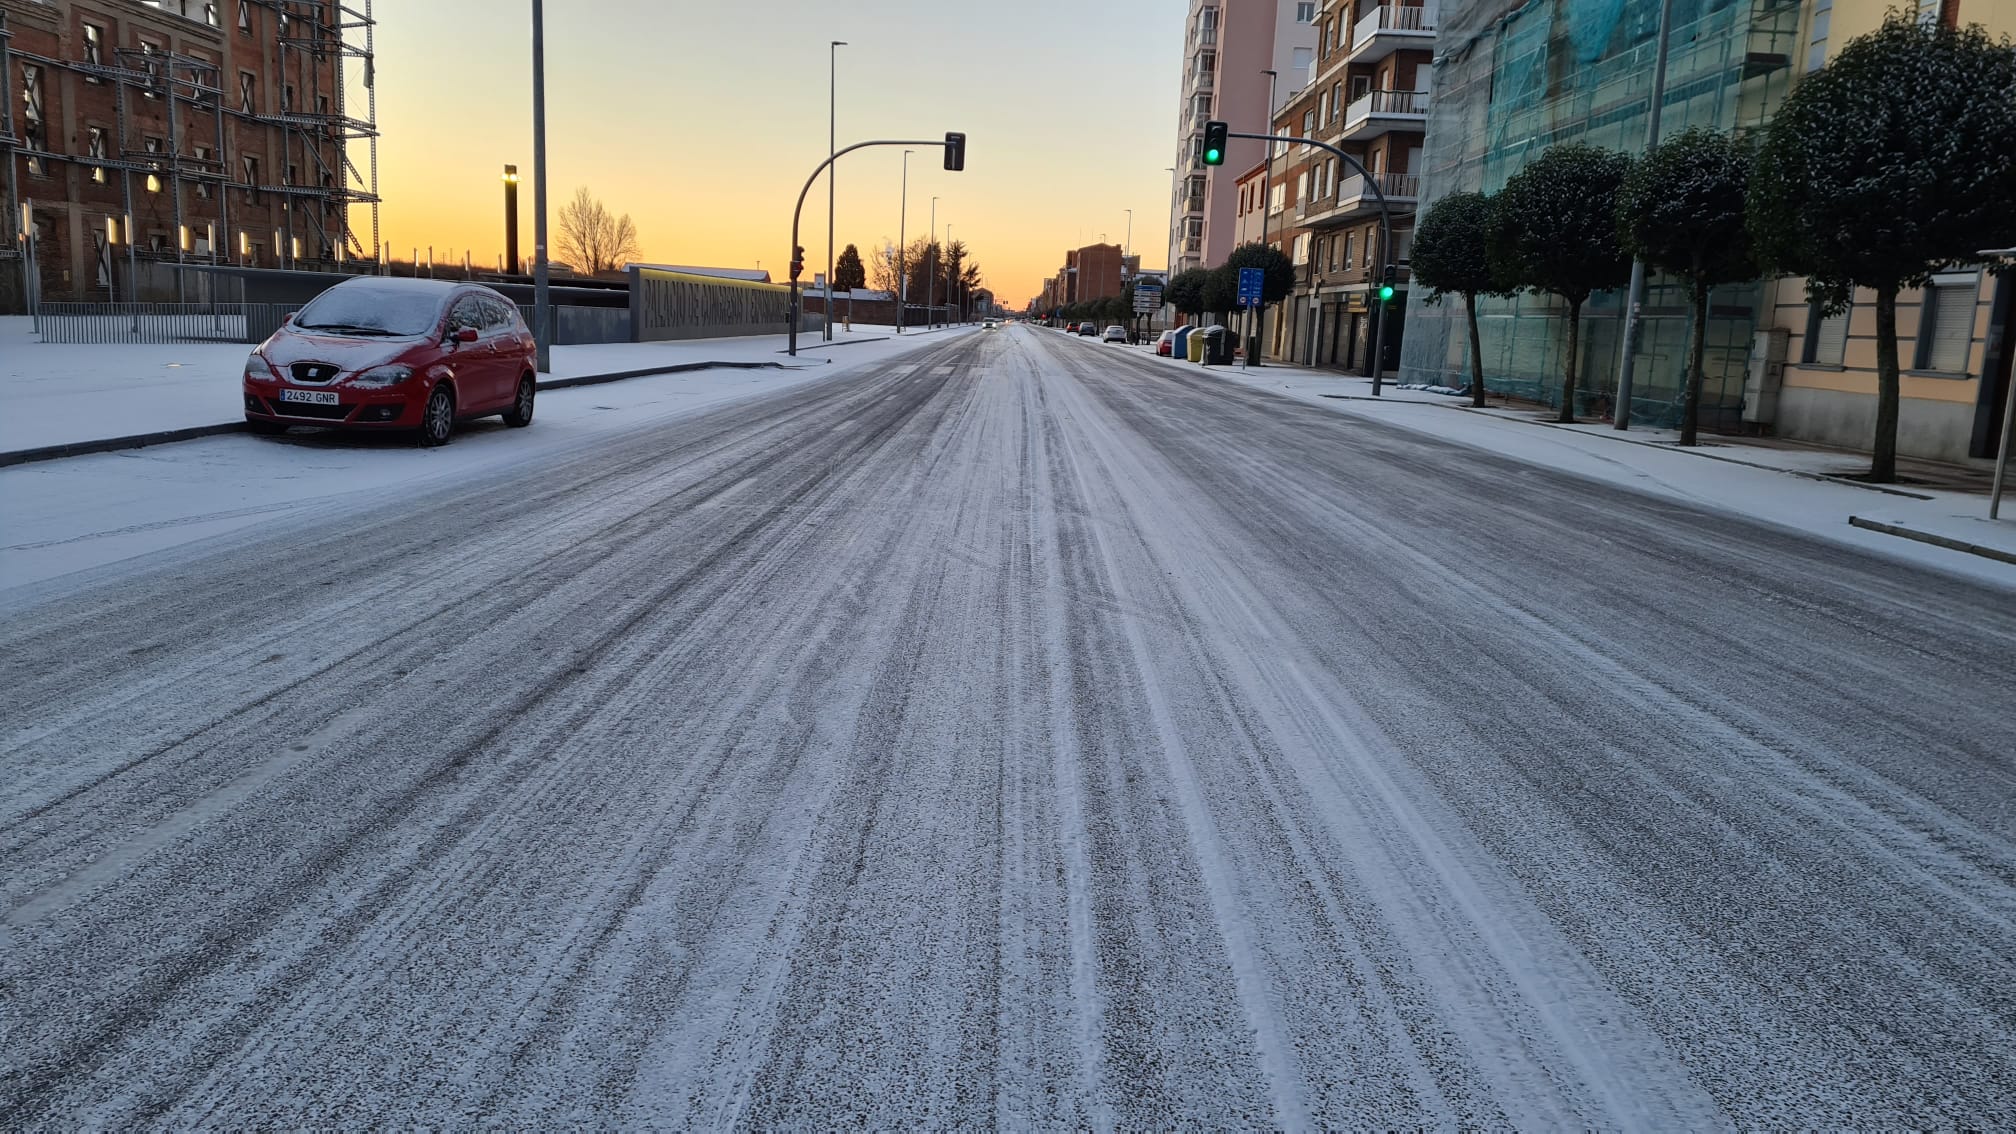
1251 282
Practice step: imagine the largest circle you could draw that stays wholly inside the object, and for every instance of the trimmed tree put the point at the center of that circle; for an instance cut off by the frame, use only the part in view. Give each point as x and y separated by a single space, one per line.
1185 291
1682 208
1886 165
1221 290
1554 229
1277 280
1452 256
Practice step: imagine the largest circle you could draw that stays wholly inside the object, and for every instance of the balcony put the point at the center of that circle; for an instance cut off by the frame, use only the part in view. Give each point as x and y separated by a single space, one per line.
1389 28
1354 199
1379 112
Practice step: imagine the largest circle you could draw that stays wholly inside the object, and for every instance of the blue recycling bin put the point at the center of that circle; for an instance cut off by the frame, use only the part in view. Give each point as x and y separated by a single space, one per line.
1181 348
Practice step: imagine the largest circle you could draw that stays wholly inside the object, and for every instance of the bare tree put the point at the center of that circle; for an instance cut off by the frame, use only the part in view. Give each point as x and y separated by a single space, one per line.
592 238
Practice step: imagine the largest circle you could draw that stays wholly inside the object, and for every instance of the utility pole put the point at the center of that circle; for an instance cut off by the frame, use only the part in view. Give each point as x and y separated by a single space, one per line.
902 222
931 277
1257 320
1635 297
542 296
510 218
832 171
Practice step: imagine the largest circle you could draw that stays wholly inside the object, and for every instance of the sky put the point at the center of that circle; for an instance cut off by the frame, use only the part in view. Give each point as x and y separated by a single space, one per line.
703 119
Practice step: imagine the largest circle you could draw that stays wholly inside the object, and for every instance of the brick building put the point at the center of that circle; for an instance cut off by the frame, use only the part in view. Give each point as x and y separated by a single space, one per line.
1370 98
202 131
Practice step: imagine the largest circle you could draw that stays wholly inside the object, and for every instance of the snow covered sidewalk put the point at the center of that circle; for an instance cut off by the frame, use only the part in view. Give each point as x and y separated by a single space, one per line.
1799 486
60 394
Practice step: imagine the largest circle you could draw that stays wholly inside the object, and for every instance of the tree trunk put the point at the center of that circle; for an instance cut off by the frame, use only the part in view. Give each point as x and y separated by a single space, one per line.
1476 352
1568 377
1697 351
1883 468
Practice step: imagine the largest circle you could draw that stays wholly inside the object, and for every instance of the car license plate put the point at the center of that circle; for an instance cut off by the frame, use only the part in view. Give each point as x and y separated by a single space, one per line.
309 397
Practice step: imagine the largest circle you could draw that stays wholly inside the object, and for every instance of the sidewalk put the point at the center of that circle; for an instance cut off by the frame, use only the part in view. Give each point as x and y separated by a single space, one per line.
117 395
1938 514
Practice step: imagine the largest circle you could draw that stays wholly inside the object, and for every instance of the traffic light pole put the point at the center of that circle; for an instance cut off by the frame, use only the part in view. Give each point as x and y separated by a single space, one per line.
953 144
1385 233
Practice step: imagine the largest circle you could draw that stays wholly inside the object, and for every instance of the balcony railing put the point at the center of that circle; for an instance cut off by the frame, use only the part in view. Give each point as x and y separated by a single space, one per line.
1398 187
1390 18
1384 104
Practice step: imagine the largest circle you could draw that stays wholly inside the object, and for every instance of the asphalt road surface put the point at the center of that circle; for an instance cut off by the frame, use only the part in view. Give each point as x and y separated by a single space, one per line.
1021 733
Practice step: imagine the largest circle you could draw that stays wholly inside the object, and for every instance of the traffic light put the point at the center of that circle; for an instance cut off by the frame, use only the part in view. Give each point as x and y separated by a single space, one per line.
797 261
955 152
1386 285
1214 142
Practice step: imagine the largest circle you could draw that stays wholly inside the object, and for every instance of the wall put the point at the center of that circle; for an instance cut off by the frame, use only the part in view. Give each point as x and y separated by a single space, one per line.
673 305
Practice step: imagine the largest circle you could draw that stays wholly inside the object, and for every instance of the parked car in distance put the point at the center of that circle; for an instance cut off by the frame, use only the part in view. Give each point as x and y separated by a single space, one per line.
1087 329
380 353
1166 342
1115 334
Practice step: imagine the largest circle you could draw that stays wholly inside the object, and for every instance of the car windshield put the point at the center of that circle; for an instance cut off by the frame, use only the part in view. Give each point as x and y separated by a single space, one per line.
370 311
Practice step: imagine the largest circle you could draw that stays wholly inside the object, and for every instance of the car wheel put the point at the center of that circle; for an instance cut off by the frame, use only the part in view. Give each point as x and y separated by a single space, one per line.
520 414
437 424
265 428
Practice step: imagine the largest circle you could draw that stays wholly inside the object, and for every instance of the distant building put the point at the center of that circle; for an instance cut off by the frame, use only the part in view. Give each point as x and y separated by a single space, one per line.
1227 48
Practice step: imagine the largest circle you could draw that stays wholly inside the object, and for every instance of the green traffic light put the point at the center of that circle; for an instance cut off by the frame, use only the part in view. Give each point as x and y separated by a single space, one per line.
1385 291
1213 157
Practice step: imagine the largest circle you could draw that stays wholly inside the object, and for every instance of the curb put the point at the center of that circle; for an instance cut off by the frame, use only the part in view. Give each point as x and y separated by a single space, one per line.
1947 542
1660 445
110 444
196 432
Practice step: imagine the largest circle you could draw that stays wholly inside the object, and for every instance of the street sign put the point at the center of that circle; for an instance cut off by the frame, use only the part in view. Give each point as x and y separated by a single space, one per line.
1252 281
1147 298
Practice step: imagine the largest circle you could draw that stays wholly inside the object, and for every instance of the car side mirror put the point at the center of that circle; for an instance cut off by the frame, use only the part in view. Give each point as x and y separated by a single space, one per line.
287 319
464 335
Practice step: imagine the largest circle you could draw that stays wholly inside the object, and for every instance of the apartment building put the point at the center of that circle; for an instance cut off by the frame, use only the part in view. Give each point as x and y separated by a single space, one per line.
1957 337
1368 95
140 134
1238 57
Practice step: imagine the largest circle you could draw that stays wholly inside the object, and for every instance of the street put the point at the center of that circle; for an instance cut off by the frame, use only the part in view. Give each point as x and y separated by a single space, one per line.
1021 732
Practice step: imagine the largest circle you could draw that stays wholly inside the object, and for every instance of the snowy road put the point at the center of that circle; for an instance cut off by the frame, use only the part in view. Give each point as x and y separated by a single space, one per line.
1017 733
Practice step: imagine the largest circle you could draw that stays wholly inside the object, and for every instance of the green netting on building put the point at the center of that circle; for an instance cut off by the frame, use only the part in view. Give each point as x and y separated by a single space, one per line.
1513 78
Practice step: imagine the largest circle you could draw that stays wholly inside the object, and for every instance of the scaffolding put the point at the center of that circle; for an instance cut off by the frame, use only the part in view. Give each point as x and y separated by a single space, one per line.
1513 77
306 62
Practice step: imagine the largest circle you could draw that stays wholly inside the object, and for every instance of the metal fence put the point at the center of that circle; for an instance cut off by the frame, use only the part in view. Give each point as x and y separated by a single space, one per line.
160 322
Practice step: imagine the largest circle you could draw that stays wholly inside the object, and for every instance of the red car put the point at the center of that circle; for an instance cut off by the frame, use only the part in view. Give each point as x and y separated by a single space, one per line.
381 353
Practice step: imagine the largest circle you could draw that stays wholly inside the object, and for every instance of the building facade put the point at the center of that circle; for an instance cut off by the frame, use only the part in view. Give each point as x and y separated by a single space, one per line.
141 134
1229 48
1956 338
1369 97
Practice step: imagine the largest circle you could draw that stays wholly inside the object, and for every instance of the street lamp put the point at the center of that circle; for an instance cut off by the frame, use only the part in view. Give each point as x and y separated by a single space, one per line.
832 171
951 284
511 217
931 280
1634 293
902 223
542 296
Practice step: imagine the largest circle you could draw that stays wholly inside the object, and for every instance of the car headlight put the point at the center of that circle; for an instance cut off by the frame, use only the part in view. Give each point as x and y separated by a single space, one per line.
256 366
383 376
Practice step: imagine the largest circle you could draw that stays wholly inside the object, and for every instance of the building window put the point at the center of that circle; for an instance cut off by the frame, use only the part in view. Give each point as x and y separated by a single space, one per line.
1301 248
153 146
1826 337
251 165
1305 12
97 150
1361 85
210 12
322 105
1816 40
94 49
247 84
148 52
37 127
202 155
1275 196
287 98
1350 249
1303 59
245 17
1946 327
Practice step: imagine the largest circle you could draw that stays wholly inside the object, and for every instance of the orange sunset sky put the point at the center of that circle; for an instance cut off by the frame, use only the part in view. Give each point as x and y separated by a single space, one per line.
702 119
